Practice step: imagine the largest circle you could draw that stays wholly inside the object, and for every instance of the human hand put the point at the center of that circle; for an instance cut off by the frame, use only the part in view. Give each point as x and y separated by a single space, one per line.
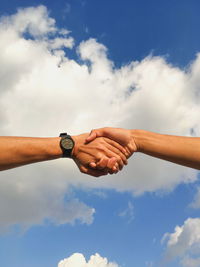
103 154
123 136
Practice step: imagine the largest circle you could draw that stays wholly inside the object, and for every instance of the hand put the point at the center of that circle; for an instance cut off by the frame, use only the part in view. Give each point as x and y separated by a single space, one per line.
123 136
102 153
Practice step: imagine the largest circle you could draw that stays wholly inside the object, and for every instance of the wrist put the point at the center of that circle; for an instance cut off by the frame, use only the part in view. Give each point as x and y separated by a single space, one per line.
75 148
136 139
142 139
52 147
78 141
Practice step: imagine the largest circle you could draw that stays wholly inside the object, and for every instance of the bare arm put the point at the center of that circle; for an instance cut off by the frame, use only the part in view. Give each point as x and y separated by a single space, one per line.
177 149
18 151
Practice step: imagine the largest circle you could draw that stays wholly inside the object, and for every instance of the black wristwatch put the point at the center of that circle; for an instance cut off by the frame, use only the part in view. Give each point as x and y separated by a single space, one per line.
66 144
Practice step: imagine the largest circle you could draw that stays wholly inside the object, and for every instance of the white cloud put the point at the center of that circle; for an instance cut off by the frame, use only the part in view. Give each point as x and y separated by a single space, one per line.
78 260
196 202
184 243
28 202
27 196
80 95
35 21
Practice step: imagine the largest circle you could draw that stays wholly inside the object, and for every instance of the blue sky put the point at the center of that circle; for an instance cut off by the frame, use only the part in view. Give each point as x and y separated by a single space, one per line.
127 227
134 27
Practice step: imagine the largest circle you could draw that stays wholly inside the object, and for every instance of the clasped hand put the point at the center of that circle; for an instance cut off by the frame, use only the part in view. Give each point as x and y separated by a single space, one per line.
103 151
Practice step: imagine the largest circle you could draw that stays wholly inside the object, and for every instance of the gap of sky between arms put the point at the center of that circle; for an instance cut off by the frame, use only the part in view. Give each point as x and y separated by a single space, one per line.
50 211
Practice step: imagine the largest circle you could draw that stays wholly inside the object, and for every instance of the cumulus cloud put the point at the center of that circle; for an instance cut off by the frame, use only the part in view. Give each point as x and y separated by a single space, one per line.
78 260
27 202
44 92
184 243
34 21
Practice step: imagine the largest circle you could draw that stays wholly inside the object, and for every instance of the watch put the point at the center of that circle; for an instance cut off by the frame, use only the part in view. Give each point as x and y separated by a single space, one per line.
66 144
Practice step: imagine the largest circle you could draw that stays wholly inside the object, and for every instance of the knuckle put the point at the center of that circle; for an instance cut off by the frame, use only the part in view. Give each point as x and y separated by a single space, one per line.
118 158
99 155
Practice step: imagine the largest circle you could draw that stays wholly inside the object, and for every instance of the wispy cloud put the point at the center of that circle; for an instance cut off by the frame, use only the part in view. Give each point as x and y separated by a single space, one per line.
128 213
196 202
66 10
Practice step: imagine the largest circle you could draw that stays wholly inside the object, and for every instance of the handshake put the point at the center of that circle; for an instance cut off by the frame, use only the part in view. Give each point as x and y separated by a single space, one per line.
103 151
107 150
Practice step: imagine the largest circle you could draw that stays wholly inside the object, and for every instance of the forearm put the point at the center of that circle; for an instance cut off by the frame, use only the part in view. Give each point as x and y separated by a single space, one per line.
18 151
177 149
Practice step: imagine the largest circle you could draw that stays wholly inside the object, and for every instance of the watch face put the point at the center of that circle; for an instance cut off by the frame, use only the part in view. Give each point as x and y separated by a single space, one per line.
67 143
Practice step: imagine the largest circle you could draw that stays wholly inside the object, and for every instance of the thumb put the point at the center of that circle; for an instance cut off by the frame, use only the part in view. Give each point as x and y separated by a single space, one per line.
93 134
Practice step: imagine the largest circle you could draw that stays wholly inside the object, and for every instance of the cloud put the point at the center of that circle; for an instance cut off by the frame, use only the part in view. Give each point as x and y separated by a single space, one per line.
66 10
44 92
29 197
184 243
128 212
35 21
196 202
27 202
149 264
190 262
78 260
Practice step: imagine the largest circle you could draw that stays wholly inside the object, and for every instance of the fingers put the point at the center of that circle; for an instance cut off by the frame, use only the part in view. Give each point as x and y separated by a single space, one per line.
92 165
102 164
111 152
116 145
94 173
110 165
103 133
113 166
107 156
91 136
